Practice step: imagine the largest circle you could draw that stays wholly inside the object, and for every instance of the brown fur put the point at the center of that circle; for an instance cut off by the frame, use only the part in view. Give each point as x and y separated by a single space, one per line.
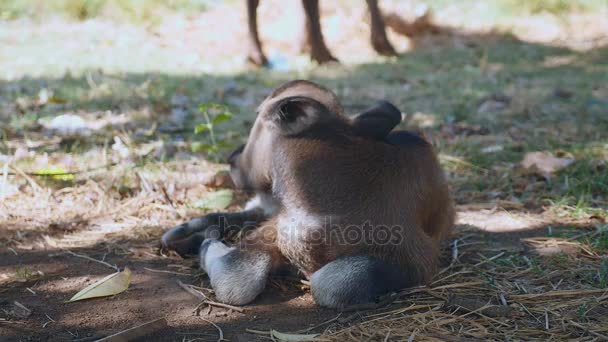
321 176
328 172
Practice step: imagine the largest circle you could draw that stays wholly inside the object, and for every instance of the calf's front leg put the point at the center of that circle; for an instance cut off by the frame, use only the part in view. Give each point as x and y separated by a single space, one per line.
187 237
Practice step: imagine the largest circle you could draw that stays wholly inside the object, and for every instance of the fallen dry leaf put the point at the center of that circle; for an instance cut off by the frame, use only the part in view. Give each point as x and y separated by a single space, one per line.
544 162
221 179
113 284
293 337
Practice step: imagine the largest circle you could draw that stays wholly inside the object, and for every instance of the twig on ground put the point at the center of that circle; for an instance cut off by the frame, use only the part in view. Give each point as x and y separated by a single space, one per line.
4 180
137 331
191 291
604 337
455 251
29 179
65 173
92 259
144 182
169 272
48 322
206 300
219 330
490 259
303 331
220 305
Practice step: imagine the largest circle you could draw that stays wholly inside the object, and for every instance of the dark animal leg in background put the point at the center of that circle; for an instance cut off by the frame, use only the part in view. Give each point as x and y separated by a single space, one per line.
255 55
379 40
314 36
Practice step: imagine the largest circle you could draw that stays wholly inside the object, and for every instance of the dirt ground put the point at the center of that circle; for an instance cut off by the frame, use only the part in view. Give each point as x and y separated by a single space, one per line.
154 293
151 295
54 275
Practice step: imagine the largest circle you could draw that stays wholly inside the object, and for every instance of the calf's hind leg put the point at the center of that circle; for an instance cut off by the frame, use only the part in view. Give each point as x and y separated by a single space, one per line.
354 280
238 273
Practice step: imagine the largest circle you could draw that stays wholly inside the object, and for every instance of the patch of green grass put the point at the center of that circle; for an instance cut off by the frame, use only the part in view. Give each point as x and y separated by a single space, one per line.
581 311
597 277
599 240
603 274
551 6
138 10
559 259
518 261
23 273
536 266
588 176
446 83
580 190
24 122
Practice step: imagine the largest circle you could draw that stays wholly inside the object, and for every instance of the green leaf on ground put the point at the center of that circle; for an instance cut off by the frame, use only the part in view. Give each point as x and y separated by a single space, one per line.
216 200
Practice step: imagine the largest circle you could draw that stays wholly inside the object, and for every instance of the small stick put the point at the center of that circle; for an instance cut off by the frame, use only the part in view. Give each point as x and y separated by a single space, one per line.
22 307
145 184
170 272
449 276
222 305
219 330
604 337
48 322
490 259
503 300
191 291
66 173
411 337
4 180
388 334
206 300
318 325
92 259
257 332
29 179
137 331
454 251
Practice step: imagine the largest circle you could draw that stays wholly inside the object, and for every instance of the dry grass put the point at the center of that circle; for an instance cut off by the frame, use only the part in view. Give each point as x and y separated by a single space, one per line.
495 293
115 201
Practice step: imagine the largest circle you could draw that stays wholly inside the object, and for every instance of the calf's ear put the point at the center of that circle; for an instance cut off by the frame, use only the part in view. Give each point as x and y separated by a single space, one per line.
295 114
295 106
377 121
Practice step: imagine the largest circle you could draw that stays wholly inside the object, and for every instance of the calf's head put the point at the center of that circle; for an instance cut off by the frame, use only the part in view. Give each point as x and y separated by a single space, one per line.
295 109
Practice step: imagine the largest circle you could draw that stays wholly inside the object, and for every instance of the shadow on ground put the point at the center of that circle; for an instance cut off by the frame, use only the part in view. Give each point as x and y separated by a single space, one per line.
154 291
